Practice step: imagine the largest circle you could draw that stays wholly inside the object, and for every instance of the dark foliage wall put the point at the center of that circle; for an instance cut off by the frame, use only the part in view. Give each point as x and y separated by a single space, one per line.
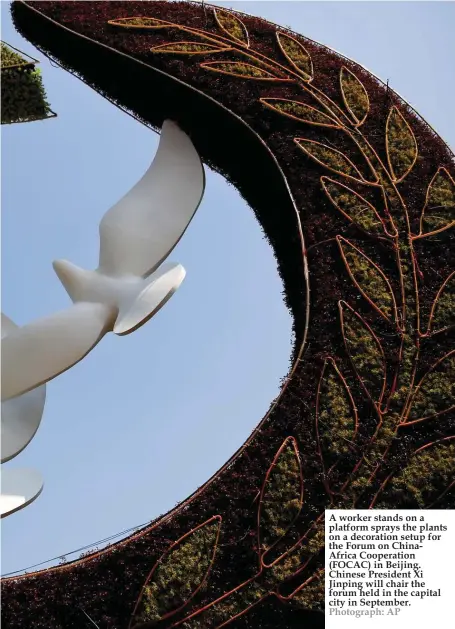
356 196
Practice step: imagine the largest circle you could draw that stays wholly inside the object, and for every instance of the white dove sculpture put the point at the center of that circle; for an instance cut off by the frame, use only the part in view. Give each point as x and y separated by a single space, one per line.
20 420
127 288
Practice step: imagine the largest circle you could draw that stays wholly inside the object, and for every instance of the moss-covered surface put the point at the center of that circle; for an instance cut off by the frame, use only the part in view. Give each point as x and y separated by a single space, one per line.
436 391
232 25
440 207
367 276
355 95
336 418
364 351
179 574
297 54
327 156
419 484
353 206
401 144
243 147
444 308
145 22
240 69
299 111
282 497
185 48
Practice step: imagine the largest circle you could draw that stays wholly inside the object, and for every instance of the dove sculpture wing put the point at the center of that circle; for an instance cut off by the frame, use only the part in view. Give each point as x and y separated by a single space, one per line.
20 487
128 288
142 229
21 416
45 348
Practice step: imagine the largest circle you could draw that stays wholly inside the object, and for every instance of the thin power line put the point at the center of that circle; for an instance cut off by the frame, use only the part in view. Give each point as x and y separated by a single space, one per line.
93 544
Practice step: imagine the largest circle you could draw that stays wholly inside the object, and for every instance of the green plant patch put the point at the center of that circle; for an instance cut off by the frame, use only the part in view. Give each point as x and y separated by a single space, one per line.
10 58
297 54
440 207
444 312
436 392
302 112
312 595
23 96
186 47
401 144
336 419
364 352
238 68
368 278
355 95
138 21
179 574
353 206
282 500
419 484
232 25
329 157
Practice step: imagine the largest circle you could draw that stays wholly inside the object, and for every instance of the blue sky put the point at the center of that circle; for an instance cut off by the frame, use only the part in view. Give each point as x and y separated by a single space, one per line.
146 419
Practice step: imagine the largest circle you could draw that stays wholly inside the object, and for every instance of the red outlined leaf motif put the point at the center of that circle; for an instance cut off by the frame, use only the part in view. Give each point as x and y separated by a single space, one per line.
419 483
354 207
187 562
297 55
369 279
300 111
438 213
188 48
336 417
435 393
365 351
355 96
331 158
281 496
401 145
232 26
442 315
241 70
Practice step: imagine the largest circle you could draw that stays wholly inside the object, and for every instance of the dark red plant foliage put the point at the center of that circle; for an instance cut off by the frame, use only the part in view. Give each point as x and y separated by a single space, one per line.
108 585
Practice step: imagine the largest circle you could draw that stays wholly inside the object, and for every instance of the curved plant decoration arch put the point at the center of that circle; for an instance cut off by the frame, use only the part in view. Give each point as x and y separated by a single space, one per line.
356 194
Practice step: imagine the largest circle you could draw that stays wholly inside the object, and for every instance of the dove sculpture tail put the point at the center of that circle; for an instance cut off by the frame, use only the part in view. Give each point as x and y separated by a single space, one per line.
129 286
132 300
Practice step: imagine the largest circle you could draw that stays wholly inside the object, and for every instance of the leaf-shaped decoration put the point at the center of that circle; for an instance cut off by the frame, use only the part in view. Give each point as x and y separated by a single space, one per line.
240 69
443 310
297 55
187 48
330 158
336 414
179 574
232 26
355 96
435 393
365 352
281 495
401 145
428 474
439 211
140 22
353 206
369 279
299 111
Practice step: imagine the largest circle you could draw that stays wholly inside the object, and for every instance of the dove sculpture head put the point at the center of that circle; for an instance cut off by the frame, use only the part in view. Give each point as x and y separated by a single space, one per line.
129 286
